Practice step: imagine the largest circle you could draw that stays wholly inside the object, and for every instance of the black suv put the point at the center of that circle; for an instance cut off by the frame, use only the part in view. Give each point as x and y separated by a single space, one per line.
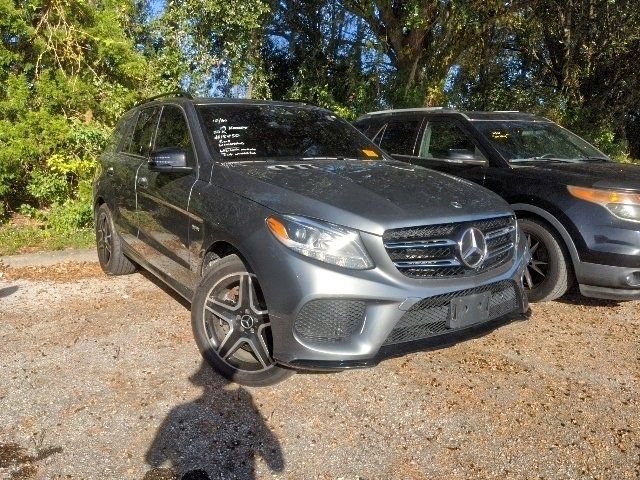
297 242
579 211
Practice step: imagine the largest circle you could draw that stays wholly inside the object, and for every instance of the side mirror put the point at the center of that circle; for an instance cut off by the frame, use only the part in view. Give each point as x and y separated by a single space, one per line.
169 160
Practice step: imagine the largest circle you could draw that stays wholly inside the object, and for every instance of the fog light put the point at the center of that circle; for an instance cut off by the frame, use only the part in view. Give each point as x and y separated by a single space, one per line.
633 279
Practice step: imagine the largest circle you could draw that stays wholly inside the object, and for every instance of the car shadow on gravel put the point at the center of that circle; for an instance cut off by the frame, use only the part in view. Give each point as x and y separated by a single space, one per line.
7 291
221 434
165 288
575 298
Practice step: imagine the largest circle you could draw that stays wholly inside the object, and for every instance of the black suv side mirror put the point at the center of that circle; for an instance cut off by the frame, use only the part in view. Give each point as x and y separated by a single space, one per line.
169 160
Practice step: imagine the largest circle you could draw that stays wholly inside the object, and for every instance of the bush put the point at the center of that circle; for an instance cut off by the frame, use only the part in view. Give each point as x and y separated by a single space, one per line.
72 214
47 188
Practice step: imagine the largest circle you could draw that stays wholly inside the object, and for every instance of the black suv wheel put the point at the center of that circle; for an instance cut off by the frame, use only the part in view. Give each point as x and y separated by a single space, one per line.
231 325
110 255
548 275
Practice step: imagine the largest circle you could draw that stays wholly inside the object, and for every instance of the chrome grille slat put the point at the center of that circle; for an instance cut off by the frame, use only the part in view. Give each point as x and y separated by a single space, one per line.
431 251
420 244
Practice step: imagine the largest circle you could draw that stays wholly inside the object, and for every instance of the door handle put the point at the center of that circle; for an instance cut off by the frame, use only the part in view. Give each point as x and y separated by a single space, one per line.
110 171
143 182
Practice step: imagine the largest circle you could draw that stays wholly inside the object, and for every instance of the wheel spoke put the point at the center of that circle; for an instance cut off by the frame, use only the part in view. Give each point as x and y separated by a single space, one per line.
230 343
226 313
259 347
244 292
534 248
527 277
253 299
535 265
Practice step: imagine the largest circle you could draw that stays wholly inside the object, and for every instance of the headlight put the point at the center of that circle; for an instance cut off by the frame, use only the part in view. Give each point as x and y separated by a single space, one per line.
323 241
624 205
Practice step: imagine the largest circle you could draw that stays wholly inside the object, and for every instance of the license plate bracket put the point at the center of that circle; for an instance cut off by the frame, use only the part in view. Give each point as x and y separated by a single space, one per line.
469 309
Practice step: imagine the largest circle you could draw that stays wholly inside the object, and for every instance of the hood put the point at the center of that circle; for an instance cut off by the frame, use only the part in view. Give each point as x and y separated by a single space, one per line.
609 175
371 196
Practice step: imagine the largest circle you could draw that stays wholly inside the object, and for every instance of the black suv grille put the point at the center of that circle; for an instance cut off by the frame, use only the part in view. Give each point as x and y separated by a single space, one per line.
429 317
432 251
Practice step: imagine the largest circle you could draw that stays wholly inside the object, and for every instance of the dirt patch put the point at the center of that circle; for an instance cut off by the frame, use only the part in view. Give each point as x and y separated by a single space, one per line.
66 272
107 367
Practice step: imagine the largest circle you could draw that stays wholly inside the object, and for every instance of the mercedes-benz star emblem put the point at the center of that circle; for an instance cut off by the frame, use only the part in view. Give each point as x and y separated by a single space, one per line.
247 321
473 247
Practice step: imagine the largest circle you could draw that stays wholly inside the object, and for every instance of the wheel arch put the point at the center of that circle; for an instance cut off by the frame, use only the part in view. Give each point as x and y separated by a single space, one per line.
524 210
219 249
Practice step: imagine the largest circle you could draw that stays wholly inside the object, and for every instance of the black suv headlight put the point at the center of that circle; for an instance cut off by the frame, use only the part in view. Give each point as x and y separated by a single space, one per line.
321 240
624 205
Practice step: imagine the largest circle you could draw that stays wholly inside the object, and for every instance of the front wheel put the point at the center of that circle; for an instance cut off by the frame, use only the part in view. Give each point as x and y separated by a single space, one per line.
548 275
231 325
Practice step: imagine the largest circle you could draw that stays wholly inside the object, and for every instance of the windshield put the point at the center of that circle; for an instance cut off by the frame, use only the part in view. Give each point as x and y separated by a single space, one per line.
243 131
535 141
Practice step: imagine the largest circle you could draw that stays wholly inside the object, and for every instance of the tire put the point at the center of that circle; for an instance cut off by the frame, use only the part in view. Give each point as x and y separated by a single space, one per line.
548 275
231 325
109 245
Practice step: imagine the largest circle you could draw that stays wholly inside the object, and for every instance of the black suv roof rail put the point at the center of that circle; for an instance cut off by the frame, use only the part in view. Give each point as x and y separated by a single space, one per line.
174 93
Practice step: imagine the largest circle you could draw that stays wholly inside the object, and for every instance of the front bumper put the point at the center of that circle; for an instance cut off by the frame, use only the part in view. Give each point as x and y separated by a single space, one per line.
290 282
608 281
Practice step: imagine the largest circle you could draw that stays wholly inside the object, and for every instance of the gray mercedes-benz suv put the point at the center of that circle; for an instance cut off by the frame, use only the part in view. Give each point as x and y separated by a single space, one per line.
297 241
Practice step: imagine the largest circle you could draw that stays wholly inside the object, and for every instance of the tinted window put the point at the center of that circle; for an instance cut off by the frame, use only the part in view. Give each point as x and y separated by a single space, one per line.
446 140
527 141
284 132
119 132
143 133
173 132
400 136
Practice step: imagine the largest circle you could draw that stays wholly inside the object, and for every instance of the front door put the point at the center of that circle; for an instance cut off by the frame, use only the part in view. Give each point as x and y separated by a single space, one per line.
163 202
445 146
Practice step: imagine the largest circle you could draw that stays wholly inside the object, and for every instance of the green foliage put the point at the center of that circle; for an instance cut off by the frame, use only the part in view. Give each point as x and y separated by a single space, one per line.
47 188
70 68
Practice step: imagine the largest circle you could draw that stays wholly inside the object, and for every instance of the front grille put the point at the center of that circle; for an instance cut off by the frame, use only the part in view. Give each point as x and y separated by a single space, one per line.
429 317
432 251
330 320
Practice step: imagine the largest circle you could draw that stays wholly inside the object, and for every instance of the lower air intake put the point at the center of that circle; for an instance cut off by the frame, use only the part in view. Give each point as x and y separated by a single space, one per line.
429 317
330 320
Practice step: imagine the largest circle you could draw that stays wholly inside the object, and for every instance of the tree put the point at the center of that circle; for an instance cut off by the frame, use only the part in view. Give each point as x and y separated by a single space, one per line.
67 71
425 38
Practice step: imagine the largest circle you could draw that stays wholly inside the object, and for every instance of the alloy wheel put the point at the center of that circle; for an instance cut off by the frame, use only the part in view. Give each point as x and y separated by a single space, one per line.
104 239
538 268
236 322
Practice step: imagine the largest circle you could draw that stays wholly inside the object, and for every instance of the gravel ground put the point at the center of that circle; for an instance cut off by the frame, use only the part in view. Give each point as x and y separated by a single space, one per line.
100 378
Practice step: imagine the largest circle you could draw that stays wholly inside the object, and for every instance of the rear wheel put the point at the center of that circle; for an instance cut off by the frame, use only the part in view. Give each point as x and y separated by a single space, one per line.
232 327
548 275
109 245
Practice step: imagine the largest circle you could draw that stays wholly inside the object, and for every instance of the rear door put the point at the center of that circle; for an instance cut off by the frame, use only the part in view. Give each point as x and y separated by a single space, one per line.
163 200
132 155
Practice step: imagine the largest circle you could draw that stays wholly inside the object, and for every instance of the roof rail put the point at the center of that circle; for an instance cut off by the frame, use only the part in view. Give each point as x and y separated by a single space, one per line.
174 93
403 110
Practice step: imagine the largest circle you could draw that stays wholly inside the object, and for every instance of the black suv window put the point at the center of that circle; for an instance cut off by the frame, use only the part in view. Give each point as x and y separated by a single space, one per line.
447 141
173 132
399 136
143 133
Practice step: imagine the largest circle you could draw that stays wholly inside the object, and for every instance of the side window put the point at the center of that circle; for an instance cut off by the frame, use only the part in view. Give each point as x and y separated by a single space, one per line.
127 134
143 133
444 140
174 133
399 136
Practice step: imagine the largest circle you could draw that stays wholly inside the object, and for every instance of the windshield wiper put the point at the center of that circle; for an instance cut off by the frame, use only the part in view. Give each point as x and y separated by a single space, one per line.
541 159
596 159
